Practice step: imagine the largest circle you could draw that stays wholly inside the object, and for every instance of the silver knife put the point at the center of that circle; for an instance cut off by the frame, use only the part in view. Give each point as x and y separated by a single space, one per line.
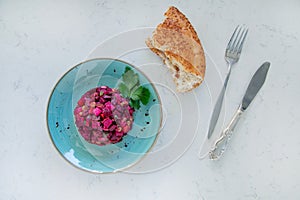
254 86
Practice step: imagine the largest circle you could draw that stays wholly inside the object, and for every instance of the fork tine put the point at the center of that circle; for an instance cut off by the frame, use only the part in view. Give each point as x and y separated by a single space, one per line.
232 38
242 41
237 39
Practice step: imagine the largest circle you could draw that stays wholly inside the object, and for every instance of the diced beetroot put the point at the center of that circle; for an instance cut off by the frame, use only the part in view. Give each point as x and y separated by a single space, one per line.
102 115
106 123
97 111
91 110
109 105
119 134
131 111
112 128
106 112
81 102
114 138
102 100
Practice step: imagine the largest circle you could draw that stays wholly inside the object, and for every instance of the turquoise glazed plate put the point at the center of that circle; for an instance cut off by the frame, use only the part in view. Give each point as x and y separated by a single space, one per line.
63 131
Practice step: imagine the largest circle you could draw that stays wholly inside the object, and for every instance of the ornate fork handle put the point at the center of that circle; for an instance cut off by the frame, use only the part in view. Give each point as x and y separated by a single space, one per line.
221 144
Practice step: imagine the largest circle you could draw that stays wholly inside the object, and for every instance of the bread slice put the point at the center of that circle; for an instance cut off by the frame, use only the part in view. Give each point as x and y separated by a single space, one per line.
176 42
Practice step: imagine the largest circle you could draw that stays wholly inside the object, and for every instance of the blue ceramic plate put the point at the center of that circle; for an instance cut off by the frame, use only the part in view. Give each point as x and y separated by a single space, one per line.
71 145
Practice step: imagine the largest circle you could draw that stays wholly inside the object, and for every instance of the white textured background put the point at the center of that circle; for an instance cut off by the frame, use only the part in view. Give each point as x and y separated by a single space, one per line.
41 40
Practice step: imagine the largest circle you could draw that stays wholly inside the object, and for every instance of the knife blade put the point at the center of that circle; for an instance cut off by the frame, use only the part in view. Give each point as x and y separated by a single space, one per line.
254 86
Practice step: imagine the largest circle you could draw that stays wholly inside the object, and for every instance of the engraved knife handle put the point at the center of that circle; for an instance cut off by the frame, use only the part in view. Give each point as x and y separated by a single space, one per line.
221 144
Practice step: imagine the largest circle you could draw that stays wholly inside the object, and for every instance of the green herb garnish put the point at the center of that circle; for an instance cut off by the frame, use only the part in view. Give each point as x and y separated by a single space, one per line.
131 88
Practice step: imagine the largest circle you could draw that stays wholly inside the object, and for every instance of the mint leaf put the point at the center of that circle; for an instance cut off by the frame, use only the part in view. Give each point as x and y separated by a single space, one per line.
127 68
135 104
130 79
142 94
136 95
145 96
124 90
131 88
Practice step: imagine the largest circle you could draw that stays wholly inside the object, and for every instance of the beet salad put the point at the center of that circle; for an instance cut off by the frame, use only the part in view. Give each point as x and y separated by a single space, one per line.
103 116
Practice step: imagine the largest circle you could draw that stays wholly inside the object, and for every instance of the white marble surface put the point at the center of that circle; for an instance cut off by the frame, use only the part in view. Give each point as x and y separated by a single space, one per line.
40 40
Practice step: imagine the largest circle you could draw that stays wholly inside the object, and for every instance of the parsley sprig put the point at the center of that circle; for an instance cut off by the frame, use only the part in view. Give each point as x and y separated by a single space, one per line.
130 88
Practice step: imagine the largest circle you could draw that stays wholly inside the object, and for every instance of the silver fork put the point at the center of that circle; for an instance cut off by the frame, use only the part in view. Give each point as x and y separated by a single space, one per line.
232 55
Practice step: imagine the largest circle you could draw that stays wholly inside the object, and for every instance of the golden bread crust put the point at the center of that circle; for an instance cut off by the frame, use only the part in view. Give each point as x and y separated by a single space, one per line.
177 20
176 39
